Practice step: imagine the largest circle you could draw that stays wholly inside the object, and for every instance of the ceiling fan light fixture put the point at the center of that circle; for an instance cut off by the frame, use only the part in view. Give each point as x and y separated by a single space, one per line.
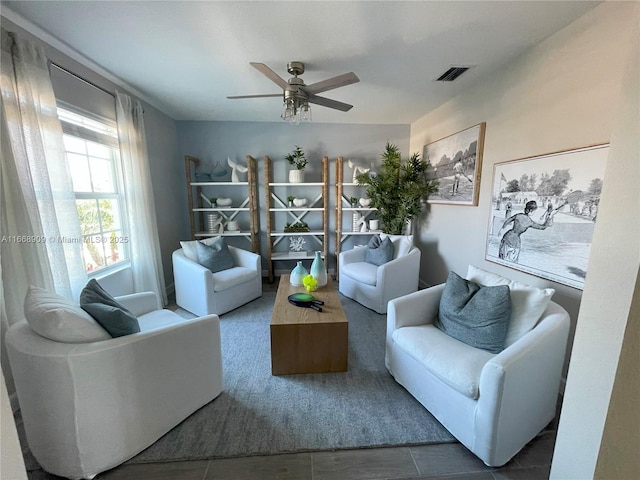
305 113
297 95
296 110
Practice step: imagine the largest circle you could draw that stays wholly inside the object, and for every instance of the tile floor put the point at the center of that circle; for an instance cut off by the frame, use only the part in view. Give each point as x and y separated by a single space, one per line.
450 461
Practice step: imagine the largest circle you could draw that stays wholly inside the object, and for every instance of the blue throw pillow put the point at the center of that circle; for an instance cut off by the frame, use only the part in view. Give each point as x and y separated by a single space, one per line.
379 251
216 257
107 311
476 315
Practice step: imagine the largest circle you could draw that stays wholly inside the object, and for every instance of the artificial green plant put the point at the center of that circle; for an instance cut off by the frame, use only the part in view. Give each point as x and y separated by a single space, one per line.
399 190
297 158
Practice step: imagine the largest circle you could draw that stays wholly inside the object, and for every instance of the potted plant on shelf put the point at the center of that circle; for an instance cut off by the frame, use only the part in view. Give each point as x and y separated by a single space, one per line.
296 227
290 199
399 190
298 160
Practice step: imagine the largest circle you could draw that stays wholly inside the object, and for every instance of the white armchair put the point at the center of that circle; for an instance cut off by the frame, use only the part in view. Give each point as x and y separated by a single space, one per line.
201 292
494 404
373 286
87 407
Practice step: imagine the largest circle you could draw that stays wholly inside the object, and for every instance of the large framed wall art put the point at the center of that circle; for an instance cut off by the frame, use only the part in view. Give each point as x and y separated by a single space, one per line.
543 213
456 162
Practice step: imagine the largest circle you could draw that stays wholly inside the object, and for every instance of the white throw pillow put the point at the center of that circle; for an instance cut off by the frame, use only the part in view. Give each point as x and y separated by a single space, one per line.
56 318
189 247
401 244
527 302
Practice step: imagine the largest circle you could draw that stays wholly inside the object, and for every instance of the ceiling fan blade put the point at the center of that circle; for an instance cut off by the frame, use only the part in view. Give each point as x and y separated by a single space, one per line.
327 102
234 97
331 83
271 75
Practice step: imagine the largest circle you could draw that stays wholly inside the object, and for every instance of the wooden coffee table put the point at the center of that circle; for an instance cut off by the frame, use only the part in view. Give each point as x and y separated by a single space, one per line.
304 340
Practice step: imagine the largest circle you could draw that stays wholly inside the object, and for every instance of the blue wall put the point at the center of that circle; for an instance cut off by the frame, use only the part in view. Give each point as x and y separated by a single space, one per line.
215 141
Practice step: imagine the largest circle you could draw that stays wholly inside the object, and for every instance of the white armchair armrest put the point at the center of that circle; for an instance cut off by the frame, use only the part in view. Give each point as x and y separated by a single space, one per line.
140 303
188 272
244 258
417 308
130 389
352 256
400 275
519 386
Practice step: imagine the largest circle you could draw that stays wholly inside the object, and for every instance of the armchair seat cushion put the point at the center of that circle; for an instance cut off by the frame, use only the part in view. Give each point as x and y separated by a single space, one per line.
362 272
232 277
455 363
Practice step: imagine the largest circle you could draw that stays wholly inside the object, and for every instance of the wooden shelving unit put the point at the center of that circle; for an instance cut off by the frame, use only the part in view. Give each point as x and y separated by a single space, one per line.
248 202
277 206
341 200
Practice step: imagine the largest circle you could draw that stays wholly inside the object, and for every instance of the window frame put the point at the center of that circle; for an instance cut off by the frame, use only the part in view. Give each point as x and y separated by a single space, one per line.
109 139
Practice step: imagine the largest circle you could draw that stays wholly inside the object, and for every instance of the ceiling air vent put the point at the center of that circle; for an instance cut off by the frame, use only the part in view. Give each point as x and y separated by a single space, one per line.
451 74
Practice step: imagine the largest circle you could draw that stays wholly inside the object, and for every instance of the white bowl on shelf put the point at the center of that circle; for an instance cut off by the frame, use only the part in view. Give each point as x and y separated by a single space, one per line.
299 202
364 202
232 226
223 202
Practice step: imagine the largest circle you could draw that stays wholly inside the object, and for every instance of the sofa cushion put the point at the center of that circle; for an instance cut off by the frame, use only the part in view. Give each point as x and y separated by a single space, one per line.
215 257
527 302
116 321
455 363
107 311
475 315
56 318
402 244
362 272
232 277
379 251
189 247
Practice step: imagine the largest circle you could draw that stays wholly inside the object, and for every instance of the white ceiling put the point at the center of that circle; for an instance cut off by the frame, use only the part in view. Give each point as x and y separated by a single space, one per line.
185 58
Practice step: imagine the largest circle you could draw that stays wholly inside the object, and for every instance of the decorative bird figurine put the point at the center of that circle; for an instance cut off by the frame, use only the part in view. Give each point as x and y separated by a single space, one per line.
236 168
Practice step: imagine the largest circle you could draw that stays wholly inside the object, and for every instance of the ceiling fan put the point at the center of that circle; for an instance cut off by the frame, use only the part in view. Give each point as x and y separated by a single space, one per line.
297 96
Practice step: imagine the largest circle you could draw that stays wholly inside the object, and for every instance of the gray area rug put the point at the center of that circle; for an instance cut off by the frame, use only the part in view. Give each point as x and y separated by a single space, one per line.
259 414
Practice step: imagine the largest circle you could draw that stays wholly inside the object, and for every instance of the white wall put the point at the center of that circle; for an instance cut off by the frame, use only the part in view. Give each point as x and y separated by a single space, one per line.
562 94
599 430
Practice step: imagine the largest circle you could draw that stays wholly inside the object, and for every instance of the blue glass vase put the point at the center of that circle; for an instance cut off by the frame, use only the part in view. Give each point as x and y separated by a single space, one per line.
297 274
318 270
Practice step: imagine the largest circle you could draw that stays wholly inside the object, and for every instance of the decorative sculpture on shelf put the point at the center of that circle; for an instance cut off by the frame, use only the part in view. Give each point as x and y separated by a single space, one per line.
357 170
236 168
296 244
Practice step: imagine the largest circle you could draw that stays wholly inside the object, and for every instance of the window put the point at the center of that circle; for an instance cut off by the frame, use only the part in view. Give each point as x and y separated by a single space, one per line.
91 146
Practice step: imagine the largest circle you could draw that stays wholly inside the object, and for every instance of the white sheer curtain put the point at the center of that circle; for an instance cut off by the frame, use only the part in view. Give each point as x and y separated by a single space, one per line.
146 259
37 204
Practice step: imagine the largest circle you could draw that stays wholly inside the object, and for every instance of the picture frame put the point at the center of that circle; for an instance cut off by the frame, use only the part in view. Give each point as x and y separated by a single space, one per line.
455 162
552 240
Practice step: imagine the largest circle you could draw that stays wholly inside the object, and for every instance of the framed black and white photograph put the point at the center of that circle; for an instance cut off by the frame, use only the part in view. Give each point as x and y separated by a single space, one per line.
543 213
456 162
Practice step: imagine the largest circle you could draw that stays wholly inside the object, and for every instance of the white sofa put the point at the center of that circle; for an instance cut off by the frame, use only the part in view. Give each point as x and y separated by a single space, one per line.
88 407
373 286
203 293
494 404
